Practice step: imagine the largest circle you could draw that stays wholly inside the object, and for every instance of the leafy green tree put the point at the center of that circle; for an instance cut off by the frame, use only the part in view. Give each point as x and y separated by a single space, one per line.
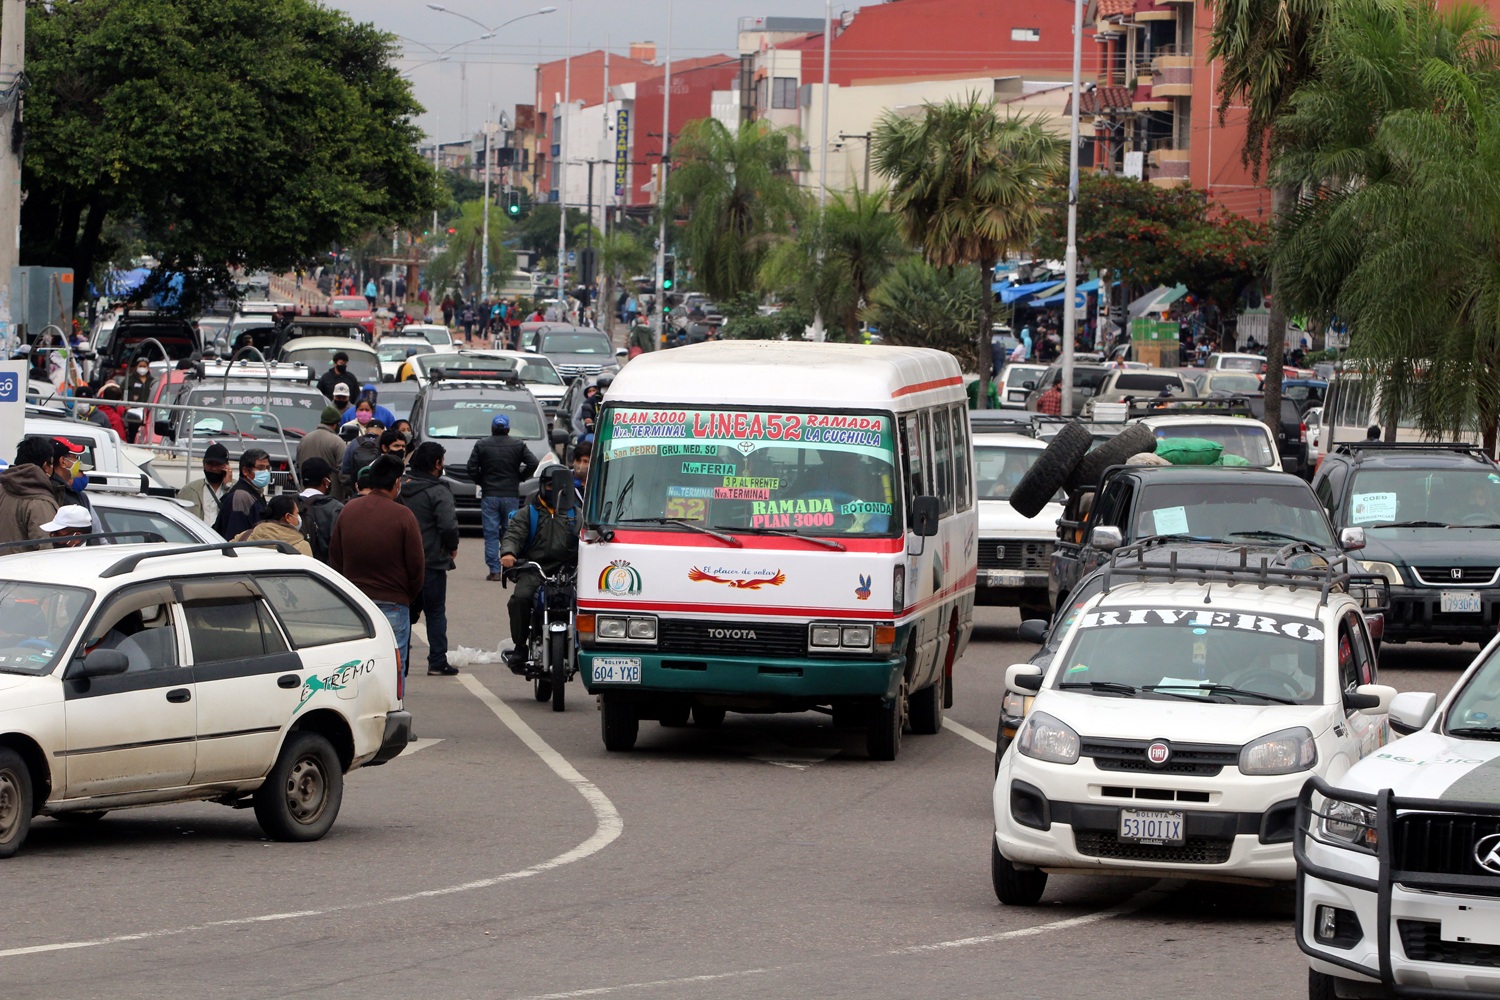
1396 143
738 195
1264 49
1150 235
837 259
537 232
249 133
967 183
464 254
622 254
747 321
919 305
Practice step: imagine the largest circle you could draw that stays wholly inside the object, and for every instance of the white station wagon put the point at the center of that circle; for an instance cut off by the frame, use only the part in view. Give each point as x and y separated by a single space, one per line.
1174 729
139 674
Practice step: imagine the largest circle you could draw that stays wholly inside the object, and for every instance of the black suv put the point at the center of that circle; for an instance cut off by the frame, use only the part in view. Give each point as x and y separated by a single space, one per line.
1188 503
1431 518
133 330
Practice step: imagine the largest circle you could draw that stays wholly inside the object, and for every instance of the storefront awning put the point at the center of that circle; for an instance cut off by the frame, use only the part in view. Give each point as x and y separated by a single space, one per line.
1010 293
1156 301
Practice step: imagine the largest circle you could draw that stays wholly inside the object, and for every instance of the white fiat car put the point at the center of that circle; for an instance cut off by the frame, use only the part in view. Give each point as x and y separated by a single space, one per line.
1015 551
139 674
1172 732
1398 860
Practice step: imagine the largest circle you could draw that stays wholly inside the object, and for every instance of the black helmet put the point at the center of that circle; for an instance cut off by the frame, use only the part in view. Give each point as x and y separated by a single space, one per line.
604 382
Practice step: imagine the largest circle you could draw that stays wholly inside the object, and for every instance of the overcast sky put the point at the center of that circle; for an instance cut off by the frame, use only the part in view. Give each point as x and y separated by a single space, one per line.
456 92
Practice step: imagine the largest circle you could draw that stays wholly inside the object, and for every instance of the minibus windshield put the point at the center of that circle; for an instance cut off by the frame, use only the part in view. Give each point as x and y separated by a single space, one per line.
741 469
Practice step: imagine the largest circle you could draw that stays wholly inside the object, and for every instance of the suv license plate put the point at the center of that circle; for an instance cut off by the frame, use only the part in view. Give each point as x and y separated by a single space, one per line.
1150 826
617 670
1460 602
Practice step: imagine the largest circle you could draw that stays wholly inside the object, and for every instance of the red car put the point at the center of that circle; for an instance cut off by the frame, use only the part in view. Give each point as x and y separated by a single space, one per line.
355 307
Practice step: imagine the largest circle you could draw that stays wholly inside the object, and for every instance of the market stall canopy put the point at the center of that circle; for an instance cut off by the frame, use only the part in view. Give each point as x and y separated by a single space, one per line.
1156 301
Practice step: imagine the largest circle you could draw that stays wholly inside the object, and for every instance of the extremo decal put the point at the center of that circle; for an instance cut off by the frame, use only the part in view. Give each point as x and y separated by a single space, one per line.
336 681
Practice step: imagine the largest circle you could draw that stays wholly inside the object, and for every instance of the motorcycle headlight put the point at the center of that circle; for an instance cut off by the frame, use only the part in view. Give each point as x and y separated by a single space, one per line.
1385 569
1286 752
1049 739
1348 823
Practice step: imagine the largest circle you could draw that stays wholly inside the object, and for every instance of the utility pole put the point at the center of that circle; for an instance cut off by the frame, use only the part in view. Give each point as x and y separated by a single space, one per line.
827 60
1070 258
865 138
437 146
484 251
12 65
661 185
562 168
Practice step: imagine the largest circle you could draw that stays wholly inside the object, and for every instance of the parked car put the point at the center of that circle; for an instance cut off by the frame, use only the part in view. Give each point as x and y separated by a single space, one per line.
1228 423
1122 385
1430 515
178 674
168 517
1236 362
1014 551
1015 382
1086 381
1176 726
1398 858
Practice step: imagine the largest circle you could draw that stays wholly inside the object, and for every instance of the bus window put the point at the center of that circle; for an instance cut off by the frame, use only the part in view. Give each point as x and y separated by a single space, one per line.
911 443
961 456
942 450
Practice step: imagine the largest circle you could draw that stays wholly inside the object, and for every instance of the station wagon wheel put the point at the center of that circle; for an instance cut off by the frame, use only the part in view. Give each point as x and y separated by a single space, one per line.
1014 887
15 802
301 796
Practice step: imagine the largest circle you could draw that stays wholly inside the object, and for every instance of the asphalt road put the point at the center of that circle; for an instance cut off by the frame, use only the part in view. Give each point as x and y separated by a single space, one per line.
510 856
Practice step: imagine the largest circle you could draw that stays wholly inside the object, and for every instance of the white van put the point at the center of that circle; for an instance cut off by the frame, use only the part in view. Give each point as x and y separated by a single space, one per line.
778 527
1352 407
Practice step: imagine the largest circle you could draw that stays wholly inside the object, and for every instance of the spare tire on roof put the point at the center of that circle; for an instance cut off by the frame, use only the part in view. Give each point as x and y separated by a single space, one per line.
1050 473
1133 440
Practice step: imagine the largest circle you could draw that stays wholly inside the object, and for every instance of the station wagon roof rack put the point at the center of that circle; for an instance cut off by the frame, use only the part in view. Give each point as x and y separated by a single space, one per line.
508 376
1208 406
48 544
130 562
1355 447
1270 569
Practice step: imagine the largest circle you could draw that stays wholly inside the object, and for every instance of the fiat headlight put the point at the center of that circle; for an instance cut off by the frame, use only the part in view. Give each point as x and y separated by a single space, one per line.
1385 569
1286 752
1345 823
1049 739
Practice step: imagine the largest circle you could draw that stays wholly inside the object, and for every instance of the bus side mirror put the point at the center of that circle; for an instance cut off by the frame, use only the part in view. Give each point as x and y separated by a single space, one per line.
925 512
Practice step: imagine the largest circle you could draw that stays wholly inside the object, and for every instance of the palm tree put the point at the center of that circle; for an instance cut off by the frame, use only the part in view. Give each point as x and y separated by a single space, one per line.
738 193
1396 145
966 183
621 254
1266 51
464 250
838 259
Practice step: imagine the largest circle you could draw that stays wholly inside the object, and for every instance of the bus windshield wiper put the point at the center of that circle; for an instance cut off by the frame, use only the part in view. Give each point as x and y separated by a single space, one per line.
827 543
691 525
1112 687
1210 688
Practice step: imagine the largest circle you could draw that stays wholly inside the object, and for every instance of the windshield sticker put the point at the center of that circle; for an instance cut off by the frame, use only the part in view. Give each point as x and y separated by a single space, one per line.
1292 628
686 509
486 405
816 428
863 507
736 493
751 483
711 450
631 449
1171 520
1373 507
706 469
741 579
690 491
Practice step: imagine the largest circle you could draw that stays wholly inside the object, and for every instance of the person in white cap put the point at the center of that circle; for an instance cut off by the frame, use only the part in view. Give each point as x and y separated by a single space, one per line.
69 520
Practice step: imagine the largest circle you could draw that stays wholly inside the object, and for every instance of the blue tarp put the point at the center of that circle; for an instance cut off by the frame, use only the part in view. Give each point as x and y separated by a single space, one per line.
1087 288
1010 293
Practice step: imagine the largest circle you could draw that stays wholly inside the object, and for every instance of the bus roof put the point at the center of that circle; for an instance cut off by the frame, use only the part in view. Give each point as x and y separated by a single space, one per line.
774 372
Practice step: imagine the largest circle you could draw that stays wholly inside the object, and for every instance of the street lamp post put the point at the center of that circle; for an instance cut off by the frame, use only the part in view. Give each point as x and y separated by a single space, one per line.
661 189
1070 257
562 168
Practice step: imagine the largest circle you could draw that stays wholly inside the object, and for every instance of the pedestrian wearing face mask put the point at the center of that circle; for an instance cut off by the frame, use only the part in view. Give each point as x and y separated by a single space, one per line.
137 385
336 376
207 491
281 522
242 507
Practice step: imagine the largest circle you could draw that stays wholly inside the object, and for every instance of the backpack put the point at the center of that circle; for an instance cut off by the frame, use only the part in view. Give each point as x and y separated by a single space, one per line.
366 451
531 529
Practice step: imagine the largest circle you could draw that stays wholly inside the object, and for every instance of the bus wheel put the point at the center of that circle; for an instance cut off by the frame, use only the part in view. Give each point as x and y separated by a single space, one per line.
619 723
927 708
887 719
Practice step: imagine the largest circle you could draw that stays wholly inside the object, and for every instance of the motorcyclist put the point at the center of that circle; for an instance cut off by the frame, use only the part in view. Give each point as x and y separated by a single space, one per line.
545 532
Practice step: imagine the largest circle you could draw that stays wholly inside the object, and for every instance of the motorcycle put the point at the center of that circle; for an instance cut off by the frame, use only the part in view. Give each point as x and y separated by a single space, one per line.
551 652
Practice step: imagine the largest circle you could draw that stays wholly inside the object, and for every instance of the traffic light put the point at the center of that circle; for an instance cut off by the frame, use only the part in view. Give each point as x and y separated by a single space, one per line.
668 272
513 204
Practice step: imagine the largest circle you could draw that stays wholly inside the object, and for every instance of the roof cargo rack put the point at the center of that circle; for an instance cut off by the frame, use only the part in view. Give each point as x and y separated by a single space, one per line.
1354 447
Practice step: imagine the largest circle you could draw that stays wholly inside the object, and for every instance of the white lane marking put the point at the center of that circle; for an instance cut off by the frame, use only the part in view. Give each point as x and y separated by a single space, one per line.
970 735
416 745
1131 905
608 828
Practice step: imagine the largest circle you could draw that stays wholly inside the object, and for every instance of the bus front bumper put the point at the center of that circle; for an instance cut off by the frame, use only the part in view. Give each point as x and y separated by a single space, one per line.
804 679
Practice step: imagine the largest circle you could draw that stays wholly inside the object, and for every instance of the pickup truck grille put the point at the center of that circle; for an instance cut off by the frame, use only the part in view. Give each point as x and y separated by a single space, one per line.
720 638
1443 844
1422 940
998 553
1187 758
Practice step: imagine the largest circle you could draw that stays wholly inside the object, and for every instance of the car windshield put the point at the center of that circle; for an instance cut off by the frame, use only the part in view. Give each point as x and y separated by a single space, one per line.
1015 377
538 372
128 519
462 363
352 303
399 398
1233 383
1249 440
435 335
1241 364
390 351
999 469
574 343
1469 495
1232 512
179 342
1195 652
470 418
797 472
297 410
36 623
1476 707
1148 381
319 359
